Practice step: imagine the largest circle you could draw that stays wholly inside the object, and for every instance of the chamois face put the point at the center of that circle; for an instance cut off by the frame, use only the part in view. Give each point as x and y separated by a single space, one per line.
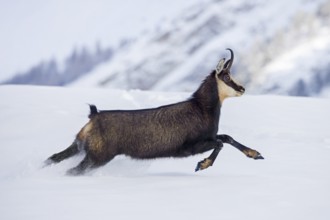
227 86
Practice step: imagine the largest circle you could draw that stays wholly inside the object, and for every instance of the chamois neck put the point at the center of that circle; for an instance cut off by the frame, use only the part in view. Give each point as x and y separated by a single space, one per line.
207 94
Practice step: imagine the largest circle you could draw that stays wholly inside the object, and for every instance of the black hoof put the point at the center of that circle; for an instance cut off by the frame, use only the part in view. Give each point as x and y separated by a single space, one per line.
198 167
47 162
74 172
259 157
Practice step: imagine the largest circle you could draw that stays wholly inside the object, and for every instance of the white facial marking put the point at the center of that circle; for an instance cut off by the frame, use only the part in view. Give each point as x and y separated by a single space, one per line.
225 91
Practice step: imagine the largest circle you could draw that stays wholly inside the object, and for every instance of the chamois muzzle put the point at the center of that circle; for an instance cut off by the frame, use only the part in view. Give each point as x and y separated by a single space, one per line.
241 89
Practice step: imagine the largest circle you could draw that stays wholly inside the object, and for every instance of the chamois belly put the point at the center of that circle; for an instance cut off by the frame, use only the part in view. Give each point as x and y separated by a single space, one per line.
150 145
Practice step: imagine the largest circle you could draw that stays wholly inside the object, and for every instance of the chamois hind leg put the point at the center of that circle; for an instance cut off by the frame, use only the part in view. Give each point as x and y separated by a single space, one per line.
58 157
206 146
88 163
247 151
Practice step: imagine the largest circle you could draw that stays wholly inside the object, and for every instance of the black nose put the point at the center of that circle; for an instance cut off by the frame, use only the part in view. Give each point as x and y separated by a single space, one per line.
242 90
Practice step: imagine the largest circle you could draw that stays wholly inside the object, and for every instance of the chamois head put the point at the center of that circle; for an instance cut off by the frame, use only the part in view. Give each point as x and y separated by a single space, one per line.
227 87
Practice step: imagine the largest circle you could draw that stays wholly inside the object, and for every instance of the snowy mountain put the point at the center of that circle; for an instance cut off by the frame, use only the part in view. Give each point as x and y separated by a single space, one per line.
280 47
291 183
266 35
77 64
34 31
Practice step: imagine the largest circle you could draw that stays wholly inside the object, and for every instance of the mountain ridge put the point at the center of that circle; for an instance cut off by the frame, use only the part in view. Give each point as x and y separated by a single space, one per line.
180 52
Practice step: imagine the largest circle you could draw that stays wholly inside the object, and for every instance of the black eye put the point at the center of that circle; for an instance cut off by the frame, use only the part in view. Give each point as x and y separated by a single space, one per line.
226 78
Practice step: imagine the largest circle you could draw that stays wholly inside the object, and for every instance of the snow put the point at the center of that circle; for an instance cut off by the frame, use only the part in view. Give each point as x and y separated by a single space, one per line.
37 30
308 55
169 46
269 49
325 93
291 183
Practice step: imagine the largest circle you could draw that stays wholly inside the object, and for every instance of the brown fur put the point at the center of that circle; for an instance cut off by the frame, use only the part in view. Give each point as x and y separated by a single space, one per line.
82 135
178 130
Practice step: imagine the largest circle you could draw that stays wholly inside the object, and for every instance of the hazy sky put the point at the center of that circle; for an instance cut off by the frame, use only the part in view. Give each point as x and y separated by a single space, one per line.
36 30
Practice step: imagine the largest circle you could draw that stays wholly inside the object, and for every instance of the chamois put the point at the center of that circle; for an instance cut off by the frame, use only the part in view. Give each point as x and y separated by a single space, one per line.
177 130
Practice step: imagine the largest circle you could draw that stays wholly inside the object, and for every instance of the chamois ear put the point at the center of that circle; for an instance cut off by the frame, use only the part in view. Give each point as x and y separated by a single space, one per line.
220 66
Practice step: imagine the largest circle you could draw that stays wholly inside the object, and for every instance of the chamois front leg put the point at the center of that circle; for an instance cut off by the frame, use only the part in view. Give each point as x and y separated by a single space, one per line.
247 151
207 162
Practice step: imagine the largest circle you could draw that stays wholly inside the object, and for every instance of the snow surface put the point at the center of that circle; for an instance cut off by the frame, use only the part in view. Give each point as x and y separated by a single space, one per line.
293 181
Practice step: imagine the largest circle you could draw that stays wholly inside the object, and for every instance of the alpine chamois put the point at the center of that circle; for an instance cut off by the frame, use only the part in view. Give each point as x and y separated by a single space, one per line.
177 130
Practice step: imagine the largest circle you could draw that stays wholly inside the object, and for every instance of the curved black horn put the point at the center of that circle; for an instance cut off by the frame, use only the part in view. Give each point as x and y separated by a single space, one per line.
230 62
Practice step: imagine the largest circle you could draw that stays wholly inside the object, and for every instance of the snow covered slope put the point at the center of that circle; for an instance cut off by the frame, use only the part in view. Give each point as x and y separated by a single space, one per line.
264 34
34 31
291 183
281 47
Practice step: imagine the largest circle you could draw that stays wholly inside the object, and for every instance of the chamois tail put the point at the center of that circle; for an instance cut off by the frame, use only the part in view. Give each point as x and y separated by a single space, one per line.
93 111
